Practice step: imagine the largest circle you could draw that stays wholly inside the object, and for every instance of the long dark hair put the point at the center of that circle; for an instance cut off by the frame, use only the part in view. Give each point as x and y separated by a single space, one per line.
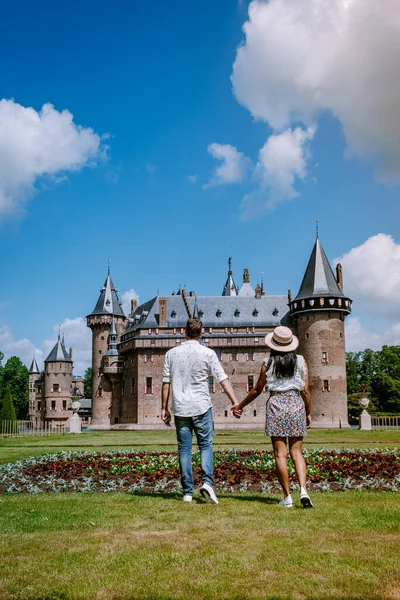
284 363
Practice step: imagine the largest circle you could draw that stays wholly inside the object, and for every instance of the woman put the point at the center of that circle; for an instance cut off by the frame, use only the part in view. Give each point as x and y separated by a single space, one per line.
288 407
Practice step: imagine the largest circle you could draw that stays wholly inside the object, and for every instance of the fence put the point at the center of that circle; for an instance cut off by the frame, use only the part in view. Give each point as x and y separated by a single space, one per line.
385 422
24 428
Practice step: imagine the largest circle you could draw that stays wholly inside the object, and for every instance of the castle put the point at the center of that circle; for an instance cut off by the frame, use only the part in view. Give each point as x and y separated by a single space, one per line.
128 352
52 390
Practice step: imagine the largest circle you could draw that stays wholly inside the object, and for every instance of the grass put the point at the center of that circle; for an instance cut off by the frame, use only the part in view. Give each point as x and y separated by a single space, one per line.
120 547
15 448
142 547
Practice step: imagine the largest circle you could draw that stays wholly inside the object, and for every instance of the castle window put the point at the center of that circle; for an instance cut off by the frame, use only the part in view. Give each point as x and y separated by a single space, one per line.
99 351
307 335
64 405
53 405
341 334
39 405
149 355
324 358
123 387
211 385
133 385
234 354
102 337
56 387
149 388
255 413
326 386
250 382
226 413
250 354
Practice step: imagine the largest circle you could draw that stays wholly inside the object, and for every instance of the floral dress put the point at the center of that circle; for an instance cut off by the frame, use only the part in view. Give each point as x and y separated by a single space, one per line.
286 413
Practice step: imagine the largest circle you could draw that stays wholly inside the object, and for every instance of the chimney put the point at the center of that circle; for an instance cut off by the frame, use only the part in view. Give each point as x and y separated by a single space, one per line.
162 306
339 276
133 305
246 278
258 291
70 354
289 295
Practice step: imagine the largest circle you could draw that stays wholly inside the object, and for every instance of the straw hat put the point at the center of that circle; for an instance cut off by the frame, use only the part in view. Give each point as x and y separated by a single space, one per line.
282 340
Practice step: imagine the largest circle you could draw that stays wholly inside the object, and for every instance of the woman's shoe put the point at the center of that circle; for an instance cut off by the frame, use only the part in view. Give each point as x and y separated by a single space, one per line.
306 500
287 502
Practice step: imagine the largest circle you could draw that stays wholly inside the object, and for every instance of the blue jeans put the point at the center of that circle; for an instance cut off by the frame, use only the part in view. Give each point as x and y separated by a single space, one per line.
203 427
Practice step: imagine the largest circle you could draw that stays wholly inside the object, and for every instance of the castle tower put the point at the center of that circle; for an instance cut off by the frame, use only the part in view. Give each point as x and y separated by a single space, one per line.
112 368
318 312
107 309
33 373
57 383
230 287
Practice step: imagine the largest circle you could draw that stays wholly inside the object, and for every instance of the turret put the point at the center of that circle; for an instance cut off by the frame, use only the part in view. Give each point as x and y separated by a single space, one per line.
230 287
318 312
108 309
33 374
57 384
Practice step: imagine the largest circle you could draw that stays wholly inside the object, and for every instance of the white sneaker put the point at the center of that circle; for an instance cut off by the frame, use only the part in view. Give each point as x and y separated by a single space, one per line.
208 494
287 502
306 500
187 498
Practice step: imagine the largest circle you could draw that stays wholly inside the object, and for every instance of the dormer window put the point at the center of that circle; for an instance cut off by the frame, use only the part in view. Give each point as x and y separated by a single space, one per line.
255 313
108 302
173 314
237 313
218 313
275 312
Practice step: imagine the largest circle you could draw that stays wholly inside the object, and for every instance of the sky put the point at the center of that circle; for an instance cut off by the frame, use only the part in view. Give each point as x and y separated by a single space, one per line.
168 136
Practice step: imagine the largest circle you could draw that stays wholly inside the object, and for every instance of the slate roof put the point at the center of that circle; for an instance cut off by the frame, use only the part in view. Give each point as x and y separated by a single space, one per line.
247 290
214 311
108 302
59 353
318 279
34 367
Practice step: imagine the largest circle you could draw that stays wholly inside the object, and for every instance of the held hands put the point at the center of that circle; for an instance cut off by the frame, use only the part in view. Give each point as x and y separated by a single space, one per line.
236 411
166 416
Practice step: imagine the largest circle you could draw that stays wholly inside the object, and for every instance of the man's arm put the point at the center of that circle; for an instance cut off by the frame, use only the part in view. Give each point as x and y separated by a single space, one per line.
228 389
165 414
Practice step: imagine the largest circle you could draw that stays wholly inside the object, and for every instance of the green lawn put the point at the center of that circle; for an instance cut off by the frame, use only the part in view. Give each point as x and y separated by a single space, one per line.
120 547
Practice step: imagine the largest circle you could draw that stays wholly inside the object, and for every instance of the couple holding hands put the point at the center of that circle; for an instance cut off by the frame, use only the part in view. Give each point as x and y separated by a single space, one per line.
186 373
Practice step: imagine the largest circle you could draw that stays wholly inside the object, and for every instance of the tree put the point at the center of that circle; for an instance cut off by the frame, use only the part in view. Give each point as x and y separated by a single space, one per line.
353 371
7 412
386 383
15 375
87 382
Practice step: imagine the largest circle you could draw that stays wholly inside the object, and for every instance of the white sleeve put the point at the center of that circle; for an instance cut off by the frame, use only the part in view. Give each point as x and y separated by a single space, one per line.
166 374
215 368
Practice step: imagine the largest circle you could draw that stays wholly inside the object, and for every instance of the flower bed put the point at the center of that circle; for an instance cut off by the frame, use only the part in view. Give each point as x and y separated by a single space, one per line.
234 471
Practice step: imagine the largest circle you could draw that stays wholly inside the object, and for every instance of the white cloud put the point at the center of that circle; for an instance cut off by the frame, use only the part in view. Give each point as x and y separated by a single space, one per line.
359 337
192 178
300 58
36 145
371 274
126 300
283 160
233 168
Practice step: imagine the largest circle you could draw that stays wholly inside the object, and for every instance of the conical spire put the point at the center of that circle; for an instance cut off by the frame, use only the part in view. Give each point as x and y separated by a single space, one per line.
108 302
318 279
58 354
112 341
34 367
230 288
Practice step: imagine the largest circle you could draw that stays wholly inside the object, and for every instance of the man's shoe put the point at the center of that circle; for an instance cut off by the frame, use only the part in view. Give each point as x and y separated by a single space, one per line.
306 501
208 494
187 498
287 502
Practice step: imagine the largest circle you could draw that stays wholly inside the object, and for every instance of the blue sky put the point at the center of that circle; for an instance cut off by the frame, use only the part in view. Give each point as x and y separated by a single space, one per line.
154 79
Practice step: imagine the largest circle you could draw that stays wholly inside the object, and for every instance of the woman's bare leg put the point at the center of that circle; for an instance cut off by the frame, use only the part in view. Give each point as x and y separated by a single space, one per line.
280 453
295 449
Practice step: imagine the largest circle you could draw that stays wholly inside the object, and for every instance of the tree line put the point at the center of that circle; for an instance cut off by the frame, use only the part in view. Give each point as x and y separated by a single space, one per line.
14 389
375 374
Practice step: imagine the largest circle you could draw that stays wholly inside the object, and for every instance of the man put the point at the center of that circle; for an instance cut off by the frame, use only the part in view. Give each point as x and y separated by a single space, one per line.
187 369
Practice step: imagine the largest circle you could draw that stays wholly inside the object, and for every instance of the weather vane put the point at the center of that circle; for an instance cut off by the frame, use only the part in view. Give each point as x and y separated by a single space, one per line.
317 226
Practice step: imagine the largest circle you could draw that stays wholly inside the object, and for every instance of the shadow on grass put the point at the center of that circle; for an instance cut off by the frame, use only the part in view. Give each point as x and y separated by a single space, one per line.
197 499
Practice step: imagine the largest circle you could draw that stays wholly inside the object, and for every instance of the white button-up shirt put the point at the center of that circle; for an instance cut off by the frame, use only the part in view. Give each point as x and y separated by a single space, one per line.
188 368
